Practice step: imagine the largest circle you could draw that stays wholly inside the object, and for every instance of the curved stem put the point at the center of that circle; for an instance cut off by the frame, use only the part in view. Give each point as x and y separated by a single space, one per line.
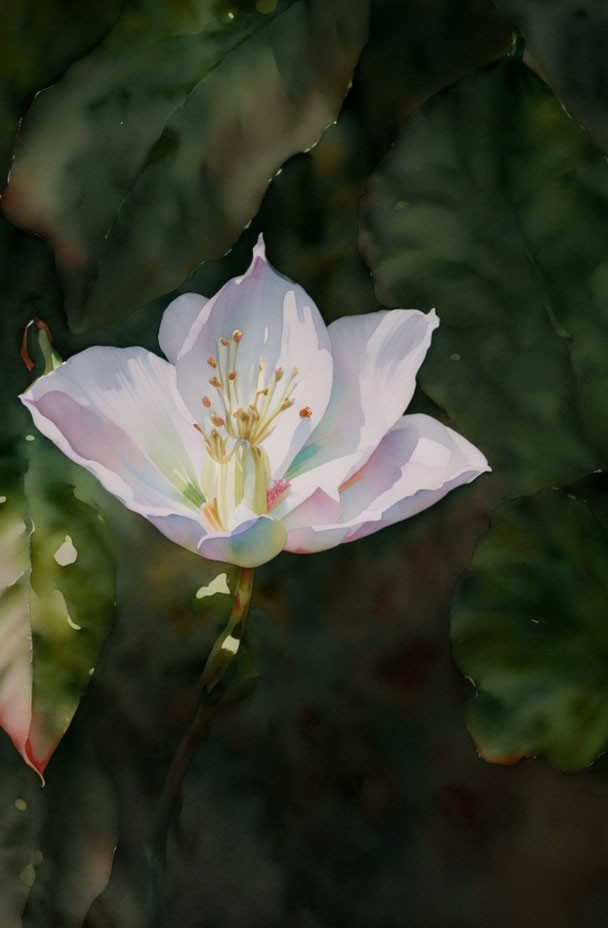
220 659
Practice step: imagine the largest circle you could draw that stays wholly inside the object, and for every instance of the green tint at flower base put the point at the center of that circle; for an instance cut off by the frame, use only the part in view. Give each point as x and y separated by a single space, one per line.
530 628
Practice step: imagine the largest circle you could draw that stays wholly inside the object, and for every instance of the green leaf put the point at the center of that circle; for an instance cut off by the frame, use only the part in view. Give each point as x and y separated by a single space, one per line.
309 213
530 627
154 152
57 595
493 207
566 45
38 41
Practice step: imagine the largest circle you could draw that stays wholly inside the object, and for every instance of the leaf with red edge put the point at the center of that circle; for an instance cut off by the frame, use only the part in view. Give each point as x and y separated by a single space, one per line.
57 590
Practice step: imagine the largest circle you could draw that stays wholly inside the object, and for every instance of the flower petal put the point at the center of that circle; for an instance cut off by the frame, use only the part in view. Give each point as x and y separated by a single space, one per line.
417 462
117 412
188 532
279 323
251 544
178 319
376 359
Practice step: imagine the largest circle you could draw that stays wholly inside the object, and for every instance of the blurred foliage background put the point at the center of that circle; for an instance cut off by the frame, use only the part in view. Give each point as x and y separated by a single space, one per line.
446 153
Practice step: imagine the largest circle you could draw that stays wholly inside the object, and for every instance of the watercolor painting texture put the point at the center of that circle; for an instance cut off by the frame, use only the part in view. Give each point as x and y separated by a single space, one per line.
303 496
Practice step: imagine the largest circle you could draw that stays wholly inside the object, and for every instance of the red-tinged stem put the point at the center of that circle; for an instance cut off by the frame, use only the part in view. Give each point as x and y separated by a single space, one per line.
45 345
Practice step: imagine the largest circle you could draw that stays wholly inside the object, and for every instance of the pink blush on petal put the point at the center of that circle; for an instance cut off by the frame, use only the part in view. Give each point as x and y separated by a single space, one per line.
275 492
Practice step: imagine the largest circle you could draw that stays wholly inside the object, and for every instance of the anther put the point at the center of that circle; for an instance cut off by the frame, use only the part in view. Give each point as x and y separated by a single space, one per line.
306 413
278 374
196 426
237 336
215 382
286 404
217 420
206 402
212 362
224 341
232 375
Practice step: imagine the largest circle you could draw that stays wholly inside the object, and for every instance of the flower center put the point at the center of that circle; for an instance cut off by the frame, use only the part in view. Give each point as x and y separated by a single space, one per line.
236 467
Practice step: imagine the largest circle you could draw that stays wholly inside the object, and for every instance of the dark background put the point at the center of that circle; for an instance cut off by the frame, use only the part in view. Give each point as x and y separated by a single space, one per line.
346 791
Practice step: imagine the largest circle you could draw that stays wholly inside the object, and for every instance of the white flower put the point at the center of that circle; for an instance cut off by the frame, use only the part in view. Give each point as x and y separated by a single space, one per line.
264 430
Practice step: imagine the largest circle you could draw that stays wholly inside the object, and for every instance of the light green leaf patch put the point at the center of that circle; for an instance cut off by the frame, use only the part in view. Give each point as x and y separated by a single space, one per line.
57 593
530 628
493 208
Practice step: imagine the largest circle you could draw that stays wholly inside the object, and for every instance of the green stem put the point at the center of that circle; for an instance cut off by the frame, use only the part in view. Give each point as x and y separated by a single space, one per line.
219 661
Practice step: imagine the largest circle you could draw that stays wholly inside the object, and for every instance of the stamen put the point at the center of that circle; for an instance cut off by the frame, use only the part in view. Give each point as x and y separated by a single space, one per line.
196 426
260 382
243 464
210 514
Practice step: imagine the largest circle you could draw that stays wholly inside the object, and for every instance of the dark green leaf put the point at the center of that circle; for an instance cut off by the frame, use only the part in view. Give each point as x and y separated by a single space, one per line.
493 207
566 44
530 627
168 142
37 42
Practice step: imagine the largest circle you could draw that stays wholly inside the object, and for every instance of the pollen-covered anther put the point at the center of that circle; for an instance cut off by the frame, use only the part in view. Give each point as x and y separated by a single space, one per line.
242 415
232 375
196 426
237 336
211 361
224 341
215 382
206 402
306 413
278 374
217 420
